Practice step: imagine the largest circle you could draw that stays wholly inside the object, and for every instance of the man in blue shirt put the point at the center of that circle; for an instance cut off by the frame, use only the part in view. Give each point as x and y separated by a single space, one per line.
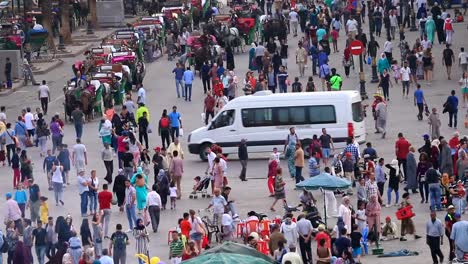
176 122
282 77
179 74
419 101
21 132
188 79
451 106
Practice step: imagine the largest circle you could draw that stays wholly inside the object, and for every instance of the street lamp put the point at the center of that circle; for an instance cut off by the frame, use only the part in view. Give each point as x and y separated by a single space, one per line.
362 77
371 44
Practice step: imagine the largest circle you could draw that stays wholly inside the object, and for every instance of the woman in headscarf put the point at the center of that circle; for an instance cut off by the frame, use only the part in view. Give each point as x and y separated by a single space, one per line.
163 187
430 29
20 255
230 59
345 212
252 65
423 166
105 131
97 234
279 188
446 161
373 210
411 171
119 188
347 61
141 239
272 167
290 149
435 153
140 180
217 173
383 63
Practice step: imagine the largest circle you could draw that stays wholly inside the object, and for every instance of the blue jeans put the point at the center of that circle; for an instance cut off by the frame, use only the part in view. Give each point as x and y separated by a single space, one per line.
79 130
92 201
178 83
131 215
389 195
435 192
283 88
188 92
84 202
459 204
40 252
299 177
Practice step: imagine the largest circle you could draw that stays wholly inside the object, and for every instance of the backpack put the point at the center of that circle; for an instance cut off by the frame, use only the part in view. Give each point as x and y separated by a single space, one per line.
120 241
164 122
4 244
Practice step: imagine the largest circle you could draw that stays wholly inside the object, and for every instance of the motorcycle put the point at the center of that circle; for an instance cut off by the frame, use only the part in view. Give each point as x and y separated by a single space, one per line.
311 212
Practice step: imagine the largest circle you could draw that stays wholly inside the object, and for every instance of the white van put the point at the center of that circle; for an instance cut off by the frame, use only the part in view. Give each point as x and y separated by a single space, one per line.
264 119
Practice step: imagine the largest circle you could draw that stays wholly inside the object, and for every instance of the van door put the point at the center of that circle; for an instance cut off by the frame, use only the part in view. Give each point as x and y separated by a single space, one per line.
223 131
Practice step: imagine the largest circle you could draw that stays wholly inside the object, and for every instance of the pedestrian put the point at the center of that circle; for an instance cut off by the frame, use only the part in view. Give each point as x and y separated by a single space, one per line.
144 129
335 81
381 116
412 173
26 168
107 156
57 182
141 238
383 63
299 162
243 158
448 58
176 170
463 59
44 209
259 53
434 237
79 156
153 202
175 123
301 58
42 134
419 101
401 150
130 204
118 246
345 213
449 222
33 202
179 74
78 118
188 79
279 190
290 149
28 73
304 229
393 182
433 181
283 80
434 124
385 83
314 167
119 189
44 96
12 238
208 107
205 76
428 65
448 29
164 129
105 198
57 134
93 193
407 226
97 234
451 106
347 61
21 198
388 49
176 248
83 190
75 246
8 65
324 74
39 239
30 123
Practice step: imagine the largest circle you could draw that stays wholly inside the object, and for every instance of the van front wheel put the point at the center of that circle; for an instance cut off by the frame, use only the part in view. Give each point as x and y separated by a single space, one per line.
202 153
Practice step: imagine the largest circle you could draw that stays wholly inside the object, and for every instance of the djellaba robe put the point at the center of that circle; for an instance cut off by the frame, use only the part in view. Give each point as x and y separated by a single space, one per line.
430 29
434 125
411 166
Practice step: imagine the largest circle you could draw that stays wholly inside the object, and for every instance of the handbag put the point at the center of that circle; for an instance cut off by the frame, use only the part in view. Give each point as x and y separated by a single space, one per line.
181 132
114 199
369 60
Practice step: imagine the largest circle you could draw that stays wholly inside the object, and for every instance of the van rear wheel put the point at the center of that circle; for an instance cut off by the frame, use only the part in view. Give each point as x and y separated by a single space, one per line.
202 153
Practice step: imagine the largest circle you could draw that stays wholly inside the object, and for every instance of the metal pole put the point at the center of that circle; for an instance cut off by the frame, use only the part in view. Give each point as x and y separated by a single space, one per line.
413 18
324 207
362 77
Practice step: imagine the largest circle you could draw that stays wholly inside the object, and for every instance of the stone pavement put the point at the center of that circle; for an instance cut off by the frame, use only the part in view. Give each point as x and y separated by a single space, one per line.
253 194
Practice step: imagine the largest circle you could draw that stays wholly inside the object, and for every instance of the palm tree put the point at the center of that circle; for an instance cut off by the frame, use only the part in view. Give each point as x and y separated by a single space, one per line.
46 9
65 26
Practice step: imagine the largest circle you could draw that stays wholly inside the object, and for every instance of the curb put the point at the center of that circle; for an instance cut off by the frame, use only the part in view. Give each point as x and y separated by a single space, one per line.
52 67
73 54
12 90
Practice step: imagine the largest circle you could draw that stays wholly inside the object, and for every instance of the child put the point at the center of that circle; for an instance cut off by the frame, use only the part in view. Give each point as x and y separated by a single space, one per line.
197 184
396 70
361 215
334 35
21 198
389 230
176 249
310 87
44 209
277 155
47 166
407 225
361 191
279 252
296 86
173 194
356 238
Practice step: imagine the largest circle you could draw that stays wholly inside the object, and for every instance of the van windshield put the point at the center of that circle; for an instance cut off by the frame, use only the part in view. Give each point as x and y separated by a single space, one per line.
358 114
226 118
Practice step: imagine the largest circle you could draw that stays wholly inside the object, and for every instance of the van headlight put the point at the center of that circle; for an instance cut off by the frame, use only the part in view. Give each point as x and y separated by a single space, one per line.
189 136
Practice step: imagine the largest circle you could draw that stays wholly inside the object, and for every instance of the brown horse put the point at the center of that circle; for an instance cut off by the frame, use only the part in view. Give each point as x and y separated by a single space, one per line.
87 104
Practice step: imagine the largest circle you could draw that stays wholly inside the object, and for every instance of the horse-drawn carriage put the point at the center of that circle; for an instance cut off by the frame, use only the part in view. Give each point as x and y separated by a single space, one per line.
37 39
11 38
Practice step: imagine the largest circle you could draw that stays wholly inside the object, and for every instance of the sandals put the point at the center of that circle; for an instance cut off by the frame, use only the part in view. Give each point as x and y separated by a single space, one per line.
272 209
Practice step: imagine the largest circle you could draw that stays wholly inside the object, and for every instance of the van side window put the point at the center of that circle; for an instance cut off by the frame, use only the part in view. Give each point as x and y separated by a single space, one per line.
226 118
281 116
358 113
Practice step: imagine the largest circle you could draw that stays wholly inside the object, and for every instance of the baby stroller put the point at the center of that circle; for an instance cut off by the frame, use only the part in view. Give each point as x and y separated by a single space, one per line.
201 188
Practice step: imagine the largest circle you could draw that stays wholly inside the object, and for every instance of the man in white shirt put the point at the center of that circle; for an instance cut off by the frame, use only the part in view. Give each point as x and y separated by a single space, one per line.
304 229
405 73
153 201
351 27
210 155
44 96
388 49
294 18
141 95
463 59
259 53
30 122
79 156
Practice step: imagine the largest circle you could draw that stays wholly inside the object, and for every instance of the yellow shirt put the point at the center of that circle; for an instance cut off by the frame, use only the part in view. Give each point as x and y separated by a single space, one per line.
139 113
299 158
44 211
